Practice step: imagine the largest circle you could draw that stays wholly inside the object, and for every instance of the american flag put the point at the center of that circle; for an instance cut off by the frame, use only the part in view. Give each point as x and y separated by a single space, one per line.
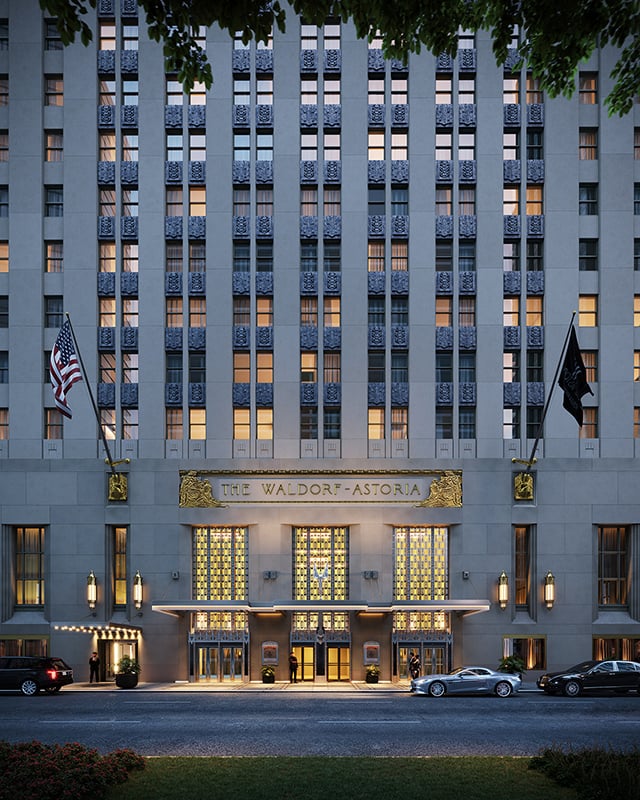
64 368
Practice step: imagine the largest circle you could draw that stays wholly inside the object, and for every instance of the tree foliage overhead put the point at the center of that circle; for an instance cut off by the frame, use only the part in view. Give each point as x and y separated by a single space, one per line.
555 35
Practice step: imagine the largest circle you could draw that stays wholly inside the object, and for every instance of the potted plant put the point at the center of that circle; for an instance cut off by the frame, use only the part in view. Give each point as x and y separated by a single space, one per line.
268 674
127 674
513 664
373 673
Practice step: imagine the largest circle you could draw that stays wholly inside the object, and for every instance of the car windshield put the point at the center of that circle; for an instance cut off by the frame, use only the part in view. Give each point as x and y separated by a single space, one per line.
582 666
58 663
457 670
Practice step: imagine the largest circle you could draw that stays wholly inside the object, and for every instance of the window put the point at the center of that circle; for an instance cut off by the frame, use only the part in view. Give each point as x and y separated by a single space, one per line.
4 90
106 257
4 146
466 311
613 565
308 367
130 257
534 314
129 423
331 146
241 147
264 256
535 146
53 312
197 368
107 368
399 423
530 649
174 423
466 145
331 312
589 429
588 88
308 90
467 423
241 201
241 257
587 311
467 200
107 95
636 199
107 202
264 201
129 37
130 202
332 367
399 90
588 144
332 258
53 146
4 34
129 146
308 37
444 146
331 35
308 146
106 147
197 312
399 256
4 311
197 147
129 92
588 255
534 92
376 310
332 201
130 313
444 312
332 91
444 368
511 367
511 311
399 201
264 367
511 200
4 366
511 423
636 144
53 202
173 367
308 422
264 147
241 311
174 203
308 256
399 310
197 423
197 201
174 147
467 367
197 257
120 567
4 256
399 146
535 366
590 359
534 419
511 89
52 424
309 201
535 256
4 424
636 423
53 259
636 311
375 423
444 204
130 368
376 201
534 200
264 424
264 90
376 366
30 566
511 256
466 91
53 91
443 90
588 199
399 366
107 35
107 312
444 256
331 423
444 423
264 311
511 145
241 368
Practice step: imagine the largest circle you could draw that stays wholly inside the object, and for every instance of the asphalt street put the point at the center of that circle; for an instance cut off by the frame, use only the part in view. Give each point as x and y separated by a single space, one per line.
336 723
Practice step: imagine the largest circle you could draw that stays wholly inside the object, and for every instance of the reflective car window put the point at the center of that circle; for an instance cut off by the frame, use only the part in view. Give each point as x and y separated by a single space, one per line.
626 666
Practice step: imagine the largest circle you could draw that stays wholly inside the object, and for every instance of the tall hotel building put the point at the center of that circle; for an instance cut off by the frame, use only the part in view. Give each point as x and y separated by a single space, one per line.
319 308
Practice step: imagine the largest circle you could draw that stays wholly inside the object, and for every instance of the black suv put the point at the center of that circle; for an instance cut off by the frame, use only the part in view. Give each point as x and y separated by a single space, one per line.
29 674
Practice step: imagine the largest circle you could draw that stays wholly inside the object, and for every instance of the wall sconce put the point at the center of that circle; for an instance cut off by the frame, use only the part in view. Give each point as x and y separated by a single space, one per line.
92 590
503 589
549 589
137 589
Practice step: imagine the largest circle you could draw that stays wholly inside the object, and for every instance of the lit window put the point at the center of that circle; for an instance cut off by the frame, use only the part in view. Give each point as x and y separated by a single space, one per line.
107 312
399 256
53 91
511 145
375 91
107 202
107 368
130 257
174 313
4 256
511 311
510 89
443 90
129 146
241 424
375 150
53 146
331 91
53 261
4 90
444 146
399 423
175 92
308 146
444 312
534 90
197 201
107 36
308 37
588 144
130 313
107 147
107 96
375 423
197 147
309 311
636 311
174 423
29 559
399 146
309 201
332 201
331 312
241 368
241 202
636 423
53 428
466 90
466 311
308 91
264 311
444 203
332 368
107 257
331 146
588 88
511 367
589 429
587 311
331 32
590 360
197 423
264 367
264 91
511 256
466 146
308 367
129 92
534 200
197 312
241 311
511 200
264 424
511 423
467 200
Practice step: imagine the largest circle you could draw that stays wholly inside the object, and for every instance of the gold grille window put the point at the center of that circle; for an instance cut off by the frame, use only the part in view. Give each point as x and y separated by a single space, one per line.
320 558
220 568
420 573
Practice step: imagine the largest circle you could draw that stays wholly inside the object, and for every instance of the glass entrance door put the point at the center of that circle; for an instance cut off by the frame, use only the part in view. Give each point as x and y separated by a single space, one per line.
433 659
306 661
338 663
217 662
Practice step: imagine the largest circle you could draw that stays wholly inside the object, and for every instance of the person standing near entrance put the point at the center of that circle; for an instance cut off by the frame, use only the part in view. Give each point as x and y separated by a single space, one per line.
94 667
414 665
293 668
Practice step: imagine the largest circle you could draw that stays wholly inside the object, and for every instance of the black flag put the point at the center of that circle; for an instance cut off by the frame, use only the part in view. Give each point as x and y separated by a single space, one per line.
573 379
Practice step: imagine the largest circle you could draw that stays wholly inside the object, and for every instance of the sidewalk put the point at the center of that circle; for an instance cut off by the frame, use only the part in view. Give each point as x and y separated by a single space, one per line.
258 686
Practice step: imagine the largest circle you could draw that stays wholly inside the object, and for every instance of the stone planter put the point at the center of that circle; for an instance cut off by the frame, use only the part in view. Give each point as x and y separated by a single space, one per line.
268 678
371 678
126 680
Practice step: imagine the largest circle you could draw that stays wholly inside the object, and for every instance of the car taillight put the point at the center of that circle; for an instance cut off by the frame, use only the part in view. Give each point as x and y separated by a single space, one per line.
52 674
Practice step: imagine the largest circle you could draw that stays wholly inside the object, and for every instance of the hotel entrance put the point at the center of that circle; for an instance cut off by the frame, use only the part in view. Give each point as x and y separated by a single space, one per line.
218 662
433 658
306 661
338 662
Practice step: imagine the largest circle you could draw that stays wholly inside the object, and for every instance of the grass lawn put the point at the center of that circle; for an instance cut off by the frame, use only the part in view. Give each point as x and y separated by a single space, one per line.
324 778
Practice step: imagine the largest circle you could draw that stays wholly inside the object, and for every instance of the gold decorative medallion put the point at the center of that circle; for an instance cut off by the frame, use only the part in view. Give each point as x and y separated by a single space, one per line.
197 493
118 486
523 486
444 492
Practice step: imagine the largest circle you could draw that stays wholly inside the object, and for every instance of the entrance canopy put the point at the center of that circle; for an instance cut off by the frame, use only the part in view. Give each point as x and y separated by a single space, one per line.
461 607
110 630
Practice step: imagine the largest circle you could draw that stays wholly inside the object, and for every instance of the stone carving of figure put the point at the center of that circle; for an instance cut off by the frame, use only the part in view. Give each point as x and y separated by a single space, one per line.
197 493
445 491
117 486
523 486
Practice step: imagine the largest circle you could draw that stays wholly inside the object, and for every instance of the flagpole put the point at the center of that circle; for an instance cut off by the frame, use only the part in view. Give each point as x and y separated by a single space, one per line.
531 460
93 402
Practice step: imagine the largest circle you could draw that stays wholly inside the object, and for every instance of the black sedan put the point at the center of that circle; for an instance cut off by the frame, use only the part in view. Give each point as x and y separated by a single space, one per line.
591 676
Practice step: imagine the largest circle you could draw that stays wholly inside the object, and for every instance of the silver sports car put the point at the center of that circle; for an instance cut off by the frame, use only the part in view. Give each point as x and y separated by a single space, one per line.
467 680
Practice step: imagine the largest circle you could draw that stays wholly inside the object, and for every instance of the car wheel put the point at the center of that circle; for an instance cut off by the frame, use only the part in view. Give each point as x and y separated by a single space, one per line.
29 687
503 689
572 688
437 689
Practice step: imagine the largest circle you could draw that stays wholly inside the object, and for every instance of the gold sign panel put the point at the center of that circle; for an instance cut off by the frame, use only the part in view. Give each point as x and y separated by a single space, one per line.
419 488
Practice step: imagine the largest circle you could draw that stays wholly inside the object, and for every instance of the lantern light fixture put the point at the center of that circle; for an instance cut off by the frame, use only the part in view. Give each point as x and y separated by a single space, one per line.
92 590
137 589
503 589
549 589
